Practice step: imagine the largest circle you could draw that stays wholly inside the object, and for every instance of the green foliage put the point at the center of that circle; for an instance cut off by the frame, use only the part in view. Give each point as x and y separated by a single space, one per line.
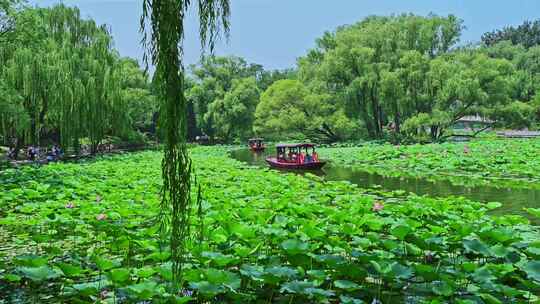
165 21
7 10
377 69
13 117
499 163
403 76
63 78
524 110
223 82
268 237
515 115
137 96
232 116
526 34
288 110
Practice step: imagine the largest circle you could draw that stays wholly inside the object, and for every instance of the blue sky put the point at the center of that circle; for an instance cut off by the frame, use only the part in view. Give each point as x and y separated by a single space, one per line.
276 32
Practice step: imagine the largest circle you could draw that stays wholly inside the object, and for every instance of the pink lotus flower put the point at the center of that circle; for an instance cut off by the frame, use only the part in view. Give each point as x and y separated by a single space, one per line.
98 199
466 149
101 217
70 205
378 206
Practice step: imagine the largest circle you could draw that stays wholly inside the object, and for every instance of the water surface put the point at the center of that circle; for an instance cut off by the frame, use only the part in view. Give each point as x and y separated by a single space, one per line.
513 200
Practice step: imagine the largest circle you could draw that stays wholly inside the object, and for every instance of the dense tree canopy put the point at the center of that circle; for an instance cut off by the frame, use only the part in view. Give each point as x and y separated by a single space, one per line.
404 76
137 94
400 76
525 84
526 34
376 67
222 82
461 83
289 110
64 82
233 114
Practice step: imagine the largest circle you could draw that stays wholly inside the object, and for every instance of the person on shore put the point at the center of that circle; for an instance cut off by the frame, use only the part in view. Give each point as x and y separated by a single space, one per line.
51 157
11 153
31 153
57 152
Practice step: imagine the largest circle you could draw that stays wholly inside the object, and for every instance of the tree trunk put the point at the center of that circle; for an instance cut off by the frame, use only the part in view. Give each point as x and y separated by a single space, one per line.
42 114
364 116
375 109
434 130
192 130
94 147
19 142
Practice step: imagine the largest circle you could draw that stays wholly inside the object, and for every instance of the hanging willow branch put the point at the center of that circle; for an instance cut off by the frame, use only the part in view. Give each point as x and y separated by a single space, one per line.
165 20
67 79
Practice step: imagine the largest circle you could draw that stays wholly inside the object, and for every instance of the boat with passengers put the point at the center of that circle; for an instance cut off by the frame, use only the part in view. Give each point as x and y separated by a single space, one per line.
296 156
256 144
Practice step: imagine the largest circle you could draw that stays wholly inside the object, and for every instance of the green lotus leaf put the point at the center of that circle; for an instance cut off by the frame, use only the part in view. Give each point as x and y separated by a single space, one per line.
120 275
532 269
442 288
145 290
70 270
346 285
38 274
293 246
476 246
400 231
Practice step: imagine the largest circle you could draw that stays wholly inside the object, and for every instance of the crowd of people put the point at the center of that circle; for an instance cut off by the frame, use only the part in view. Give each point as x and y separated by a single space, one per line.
33 153
300 158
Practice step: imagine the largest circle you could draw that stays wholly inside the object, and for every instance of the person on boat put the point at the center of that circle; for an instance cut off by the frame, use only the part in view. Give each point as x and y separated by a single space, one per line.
309 159
302 158
315 157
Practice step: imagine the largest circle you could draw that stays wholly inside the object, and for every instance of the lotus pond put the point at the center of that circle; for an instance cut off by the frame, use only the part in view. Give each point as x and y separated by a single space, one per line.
514 200
85 233
494 162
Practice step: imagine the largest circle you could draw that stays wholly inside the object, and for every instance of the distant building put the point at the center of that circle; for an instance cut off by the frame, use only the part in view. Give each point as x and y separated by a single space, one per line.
473 122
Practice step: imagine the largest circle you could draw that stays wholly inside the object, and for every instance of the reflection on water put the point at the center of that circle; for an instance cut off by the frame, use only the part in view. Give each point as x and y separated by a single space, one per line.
513 200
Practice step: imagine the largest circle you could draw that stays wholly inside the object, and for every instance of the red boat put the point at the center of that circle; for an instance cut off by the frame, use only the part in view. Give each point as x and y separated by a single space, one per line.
291 156
256 144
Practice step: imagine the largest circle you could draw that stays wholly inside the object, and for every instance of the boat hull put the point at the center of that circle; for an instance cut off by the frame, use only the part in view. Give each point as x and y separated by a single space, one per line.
273 162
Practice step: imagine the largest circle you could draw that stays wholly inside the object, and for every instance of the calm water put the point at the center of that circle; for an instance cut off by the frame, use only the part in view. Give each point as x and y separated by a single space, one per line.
513 200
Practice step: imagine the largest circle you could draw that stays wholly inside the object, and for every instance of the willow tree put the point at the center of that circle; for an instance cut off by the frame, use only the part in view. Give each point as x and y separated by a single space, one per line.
165 20
32 77
67 77
361 64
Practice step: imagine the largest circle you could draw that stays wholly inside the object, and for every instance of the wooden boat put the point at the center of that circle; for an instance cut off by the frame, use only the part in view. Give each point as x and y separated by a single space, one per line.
291 156
256 144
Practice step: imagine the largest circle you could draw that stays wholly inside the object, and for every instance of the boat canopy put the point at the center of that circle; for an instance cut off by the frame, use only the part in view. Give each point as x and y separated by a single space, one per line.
304 145
256 139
